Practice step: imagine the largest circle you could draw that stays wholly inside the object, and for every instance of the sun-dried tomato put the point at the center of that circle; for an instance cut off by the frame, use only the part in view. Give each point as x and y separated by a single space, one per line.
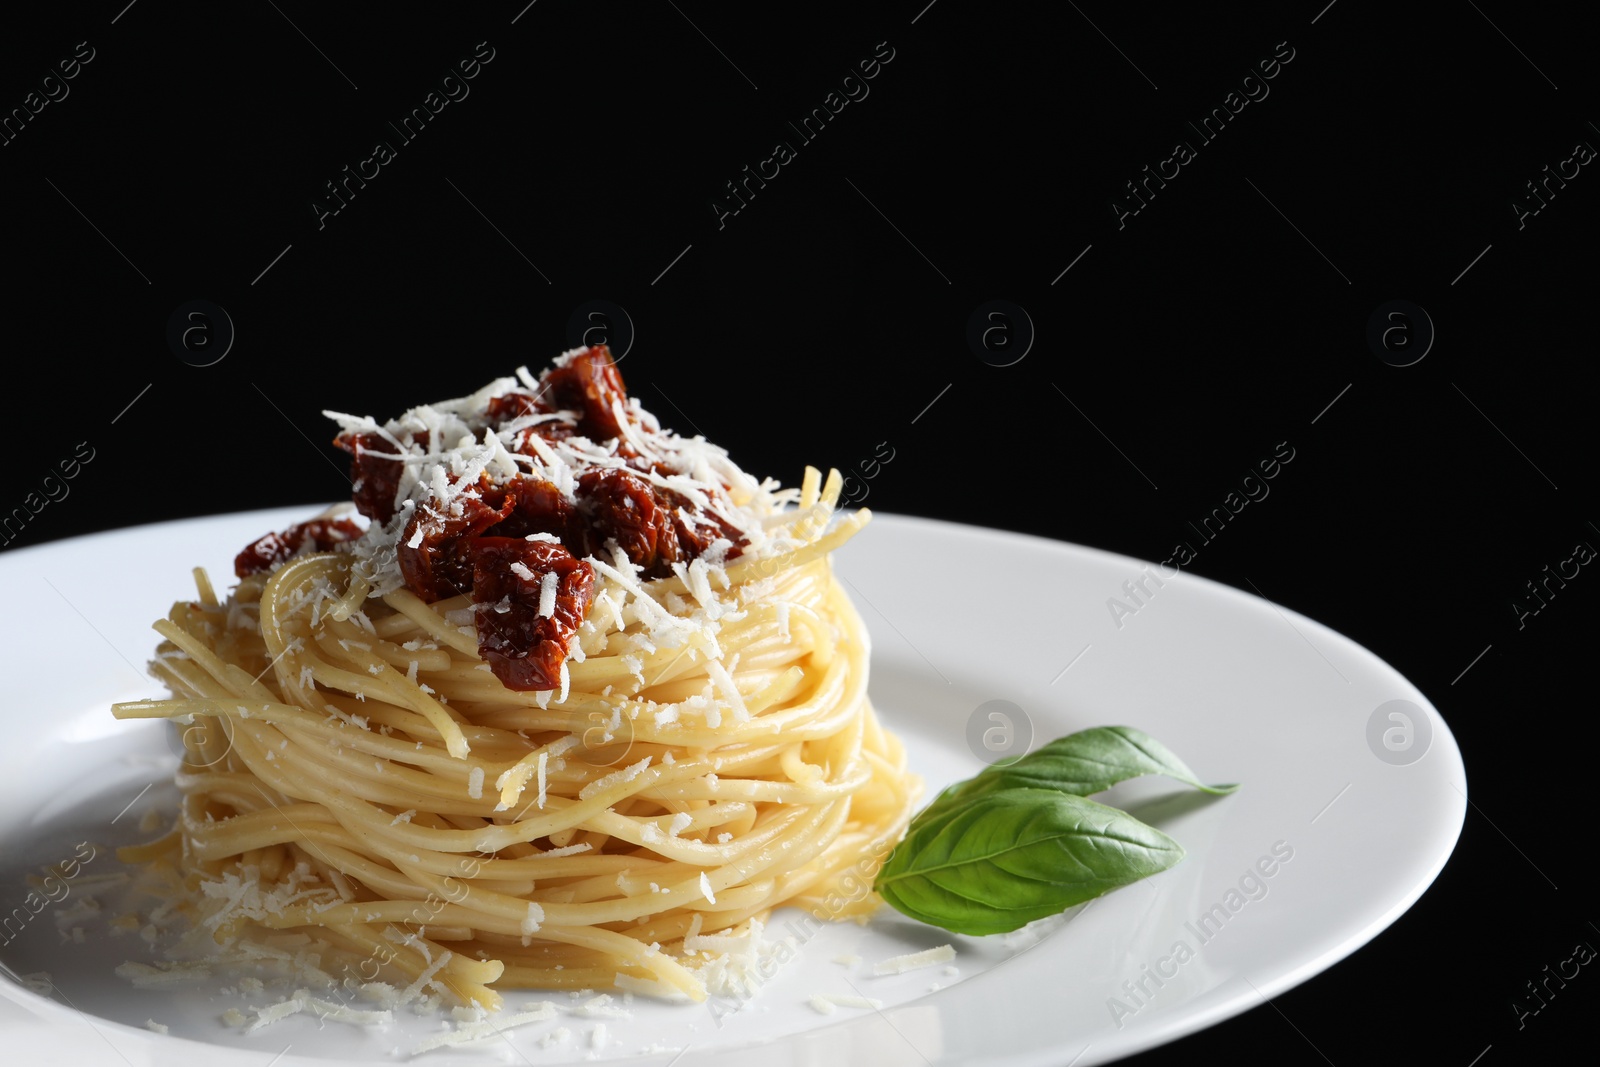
590 385
440 565
269 550
524 647
374 478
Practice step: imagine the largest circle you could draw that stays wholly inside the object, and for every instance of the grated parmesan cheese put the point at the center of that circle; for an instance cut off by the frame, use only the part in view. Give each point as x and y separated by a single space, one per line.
627 774
915 960
648 987
736 965
730 692
144 976
827 1002
412 991
485 1028
325 1009
600 1007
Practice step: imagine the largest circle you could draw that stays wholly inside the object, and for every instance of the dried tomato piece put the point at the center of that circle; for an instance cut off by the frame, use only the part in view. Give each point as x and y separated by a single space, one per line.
440 565
508 406
272 549
618 505
589 384
539 508
696 528
524 648
374 478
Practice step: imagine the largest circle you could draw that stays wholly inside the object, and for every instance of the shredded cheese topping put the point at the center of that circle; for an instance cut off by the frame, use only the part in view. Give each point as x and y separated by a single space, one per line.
462 445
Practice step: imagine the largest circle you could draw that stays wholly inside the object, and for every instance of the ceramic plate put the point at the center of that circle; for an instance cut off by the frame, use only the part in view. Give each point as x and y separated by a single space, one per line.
1352 797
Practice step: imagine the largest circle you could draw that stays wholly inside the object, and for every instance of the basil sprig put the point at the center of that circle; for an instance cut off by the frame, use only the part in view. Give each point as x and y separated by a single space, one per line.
1020 841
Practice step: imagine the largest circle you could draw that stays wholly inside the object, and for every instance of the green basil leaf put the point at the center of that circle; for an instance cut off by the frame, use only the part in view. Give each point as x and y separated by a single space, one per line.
1083 763
997 861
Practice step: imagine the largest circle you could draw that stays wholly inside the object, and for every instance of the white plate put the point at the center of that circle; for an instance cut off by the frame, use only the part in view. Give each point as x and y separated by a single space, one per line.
1242 690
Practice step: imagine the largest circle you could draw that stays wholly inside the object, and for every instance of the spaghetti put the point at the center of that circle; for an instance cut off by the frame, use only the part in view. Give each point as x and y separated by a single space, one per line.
482 805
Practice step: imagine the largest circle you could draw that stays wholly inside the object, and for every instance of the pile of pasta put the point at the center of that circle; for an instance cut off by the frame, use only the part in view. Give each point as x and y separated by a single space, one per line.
354 770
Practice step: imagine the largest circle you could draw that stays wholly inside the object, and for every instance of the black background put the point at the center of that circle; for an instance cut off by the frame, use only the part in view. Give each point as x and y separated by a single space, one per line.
828 314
